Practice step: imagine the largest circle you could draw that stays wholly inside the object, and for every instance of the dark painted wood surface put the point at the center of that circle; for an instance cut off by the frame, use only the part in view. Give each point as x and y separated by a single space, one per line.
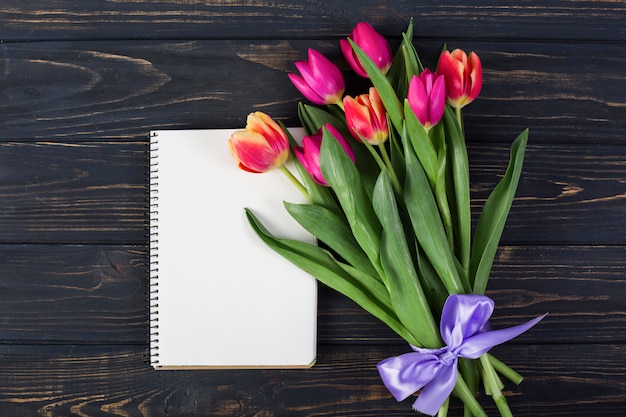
81 84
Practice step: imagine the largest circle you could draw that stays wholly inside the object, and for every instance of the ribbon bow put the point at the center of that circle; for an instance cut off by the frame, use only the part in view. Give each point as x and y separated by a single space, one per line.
465 331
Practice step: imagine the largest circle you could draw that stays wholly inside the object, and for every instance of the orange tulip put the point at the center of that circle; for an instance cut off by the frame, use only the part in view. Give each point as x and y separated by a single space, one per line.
463 74
366 117
262 146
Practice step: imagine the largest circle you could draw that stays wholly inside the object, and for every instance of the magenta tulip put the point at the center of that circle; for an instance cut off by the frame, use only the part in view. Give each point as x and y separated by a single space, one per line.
321 81
366 117
427 97
262 146
309 153
464 76
372 43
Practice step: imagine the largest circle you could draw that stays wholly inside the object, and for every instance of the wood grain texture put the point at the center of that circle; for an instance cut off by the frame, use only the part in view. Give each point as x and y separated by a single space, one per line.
90 294
253 19
95 192
82 83
562 92
113 380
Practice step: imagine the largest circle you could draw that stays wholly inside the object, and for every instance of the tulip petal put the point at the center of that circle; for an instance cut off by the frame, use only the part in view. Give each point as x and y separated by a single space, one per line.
274 135
437 100
357 118
373 44
418 99
321 80
476 76
305 89
254 153
351 58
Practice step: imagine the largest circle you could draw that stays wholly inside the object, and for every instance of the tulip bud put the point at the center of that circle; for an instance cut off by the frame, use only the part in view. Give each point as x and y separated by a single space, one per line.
321 81
427 97
366 117
464 76
372 43
262 146
309 153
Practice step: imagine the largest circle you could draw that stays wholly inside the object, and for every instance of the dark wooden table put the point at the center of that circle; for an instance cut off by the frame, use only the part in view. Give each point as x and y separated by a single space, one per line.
82 83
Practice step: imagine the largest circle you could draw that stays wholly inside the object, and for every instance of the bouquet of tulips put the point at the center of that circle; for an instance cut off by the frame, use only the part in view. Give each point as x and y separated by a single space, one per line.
386 174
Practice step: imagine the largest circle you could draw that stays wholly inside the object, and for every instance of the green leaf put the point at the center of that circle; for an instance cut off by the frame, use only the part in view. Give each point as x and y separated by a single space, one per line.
427 224
422 145
407 297
397 72
405 64
316 117
383 86
441 195
411 59
364 290
432 285
305 119
458 161
345 180
367 166
397 153
493 217
333 230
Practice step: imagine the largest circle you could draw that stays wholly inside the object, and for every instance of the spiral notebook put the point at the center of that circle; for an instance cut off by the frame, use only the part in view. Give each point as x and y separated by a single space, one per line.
219 296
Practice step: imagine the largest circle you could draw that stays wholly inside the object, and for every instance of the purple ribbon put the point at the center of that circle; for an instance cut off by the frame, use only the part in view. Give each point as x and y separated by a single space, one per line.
465 330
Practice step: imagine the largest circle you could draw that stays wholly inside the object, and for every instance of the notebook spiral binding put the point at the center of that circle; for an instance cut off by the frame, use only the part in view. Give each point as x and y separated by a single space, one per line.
153 234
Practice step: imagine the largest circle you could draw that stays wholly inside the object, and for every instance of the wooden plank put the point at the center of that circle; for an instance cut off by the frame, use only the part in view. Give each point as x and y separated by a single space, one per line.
65 19
98 294
95 192
572 380
563 92
74 192
581 287
84 294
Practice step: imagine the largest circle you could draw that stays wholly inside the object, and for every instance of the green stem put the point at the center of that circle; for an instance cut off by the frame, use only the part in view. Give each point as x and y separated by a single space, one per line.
467 396
459 118
504 370
295 181
446 217
383 163
493 387
392 172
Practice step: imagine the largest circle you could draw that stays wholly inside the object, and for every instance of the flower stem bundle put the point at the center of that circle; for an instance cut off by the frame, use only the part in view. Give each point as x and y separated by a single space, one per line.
386 174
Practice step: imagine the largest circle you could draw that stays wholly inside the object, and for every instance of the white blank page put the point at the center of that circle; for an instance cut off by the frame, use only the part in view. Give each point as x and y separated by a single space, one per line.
225 299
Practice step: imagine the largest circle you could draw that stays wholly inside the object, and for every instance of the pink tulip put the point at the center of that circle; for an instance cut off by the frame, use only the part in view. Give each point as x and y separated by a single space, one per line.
427 97
309 153
464 76
366 117
262 146
321 81
372 43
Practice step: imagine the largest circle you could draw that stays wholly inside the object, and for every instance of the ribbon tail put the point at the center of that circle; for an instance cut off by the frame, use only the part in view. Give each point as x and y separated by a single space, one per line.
479 344
435 393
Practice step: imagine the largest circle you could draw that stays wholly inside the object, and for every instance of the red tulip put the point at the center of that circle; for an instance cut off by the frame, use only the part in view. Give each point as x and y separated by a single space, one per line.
321 81
262 146
309 153
366 117
372 43
427 97
464 76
